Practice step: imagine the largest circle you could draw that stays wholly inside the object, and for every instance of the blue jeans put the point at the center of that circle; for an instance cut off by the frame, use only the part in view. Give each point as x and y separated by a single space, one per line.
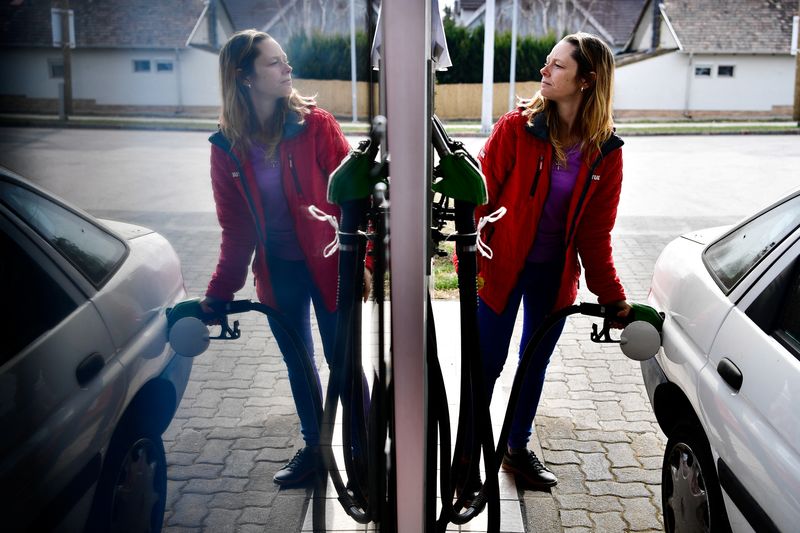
294 292
537 289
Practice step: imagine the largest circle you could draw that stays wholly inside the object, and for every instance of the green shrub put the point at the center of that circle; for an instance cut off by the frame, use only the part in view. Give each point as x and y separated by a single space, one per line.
327 57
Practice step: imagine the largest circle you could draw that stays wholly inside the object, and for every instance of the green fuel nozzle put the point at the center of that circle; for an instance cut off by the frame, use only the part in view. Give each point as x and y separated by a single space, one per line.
358 173
641 337
457 175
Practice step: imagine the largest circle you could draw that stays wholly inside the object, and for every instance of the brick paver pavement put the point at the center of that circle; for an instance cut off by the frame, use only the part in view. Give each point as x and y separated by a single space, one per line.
236 425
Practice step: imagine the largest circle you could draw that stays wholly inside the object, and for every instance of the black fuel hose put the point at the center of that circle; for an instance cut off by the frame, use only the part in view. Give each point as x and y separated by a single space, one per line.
346 381
474 422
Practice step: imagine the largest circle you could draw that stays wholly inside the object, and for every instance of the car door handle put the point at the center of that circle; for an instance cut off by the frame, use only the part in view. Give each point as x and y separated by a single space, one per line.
730 373
89 368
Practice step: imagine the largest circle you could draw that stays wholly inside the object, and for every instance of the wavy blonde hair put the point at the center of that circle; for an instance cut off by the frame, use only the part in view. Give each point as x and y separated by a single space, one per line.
238 121
594 124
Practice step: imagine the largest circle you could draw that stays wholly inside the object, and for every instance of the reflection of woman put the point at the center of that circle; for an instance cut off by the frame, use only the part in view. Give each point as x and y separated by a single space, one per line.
269 162
556 165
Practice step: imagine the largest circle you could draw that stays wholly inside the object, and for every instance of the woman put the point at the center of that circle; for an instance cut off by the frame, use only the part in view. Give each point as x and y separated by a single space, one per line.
556 165
269 162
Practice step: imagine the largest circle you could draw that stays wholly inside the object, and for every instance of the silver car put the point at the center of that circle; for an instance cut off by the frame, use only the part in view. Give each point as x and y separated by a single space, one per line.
726 384
88 382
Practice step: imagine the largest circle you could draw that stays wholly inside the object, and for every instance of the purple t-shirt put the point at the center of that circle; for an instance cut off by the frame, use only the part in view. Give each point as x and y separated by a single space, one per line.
281 237
549 242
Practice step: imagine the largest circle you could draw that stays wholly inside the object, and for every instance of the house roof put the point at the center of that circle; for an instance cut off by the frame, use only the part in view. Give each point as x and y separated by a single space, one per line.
614 20
732 26
617 17
103 24
246 14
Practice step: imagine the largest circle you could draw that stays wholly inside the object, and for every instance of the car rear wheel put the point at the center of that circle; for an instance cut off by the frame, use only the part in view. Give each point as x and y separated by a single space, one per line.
690 493
132 491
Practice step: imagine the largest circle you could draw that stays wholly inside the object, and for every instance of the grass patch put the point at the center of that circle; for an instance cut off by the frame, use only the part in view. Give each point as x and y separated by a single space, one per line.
445 279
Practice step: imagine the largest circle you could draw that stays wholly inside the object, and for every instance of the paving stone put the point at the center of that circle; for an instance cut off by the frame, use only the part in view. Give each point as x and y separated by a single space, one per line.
609 411
253 528
180 458
239 463
608 522
221 520
231 407
213 486
261 442
198 471
641 514
174 491
630 427
577 518
621 455
595 466
642 475
190 510
209 423
648 445
189 441
275 455
652 462
593 504
586 419
560 457
242 500
239 432
215 451
254 515
612 488
573 445
571 479
209 398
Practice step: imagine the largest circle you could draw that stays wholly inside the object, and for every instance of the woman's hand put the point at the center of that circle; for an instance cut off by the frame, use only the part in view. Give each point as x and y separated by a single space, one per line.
205 305
624 310
367 284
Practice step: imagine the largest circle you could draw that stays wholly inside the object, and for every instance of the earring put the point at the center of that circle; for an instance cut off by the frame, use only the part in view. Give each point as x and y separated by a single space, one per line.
582 88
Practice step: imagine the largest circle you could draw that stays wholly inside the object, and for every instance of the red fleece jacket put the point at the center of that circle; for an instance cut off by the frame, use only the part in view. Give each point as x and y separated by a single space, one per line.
308 153
516 161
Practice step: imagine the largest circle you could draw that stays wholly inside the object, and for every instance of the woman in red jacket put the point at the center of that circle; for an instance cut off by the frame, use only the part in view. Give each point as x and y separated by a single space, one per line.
269 162
556 165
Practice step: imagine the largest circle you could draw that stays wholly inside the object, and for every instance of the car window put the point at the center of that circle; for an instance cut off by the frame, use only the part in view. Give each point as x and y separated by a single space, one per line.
95 253
730 258
788 327
35 302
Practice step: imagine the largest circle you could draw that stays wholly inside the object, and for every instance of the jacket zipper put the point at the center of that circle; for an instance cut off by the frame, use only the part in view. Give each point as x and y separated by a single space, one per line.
536 176
582 197
297 187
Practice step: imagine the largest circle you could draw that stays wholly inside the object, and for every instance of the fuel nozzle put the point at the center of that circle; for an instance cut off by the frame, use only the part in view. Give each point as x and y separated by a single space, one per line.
187 331
640 339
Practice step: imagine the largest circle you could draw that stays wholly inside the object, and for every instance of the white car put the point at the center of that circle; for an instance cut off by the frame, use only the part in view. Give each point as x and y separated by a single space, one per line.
725 386
88 382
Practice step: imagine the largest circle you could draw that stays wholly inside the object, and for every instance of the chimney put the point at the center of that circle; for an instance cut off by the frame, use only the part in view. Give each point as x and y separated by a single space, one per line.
656 26
212 24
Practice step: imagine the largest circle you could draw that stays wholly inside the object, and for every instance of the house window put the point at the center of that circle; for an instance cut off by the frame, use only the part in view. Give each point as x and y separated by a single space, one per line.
725 71
141 65
163 65
55 67
702 71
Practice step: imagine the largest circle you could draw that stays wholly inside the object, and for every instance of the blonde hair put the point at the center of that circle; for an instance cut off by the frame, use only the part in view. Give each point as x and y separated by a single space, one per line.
594 123
238 121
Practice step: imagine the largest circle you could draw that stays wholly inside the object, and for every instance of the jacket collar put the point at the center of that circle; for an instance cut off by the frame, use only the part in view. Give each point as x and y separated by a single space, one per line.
291 129
539 130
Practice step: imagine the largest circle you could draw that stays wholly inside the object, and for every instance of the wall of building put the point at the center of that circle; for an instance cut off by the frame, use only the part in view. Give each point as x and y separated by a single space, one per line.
760 85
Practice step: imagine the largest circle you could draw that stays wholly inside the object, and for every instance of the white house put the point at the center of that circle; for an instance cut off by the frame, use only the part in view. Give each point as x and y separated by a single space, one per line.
141 56
707 59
